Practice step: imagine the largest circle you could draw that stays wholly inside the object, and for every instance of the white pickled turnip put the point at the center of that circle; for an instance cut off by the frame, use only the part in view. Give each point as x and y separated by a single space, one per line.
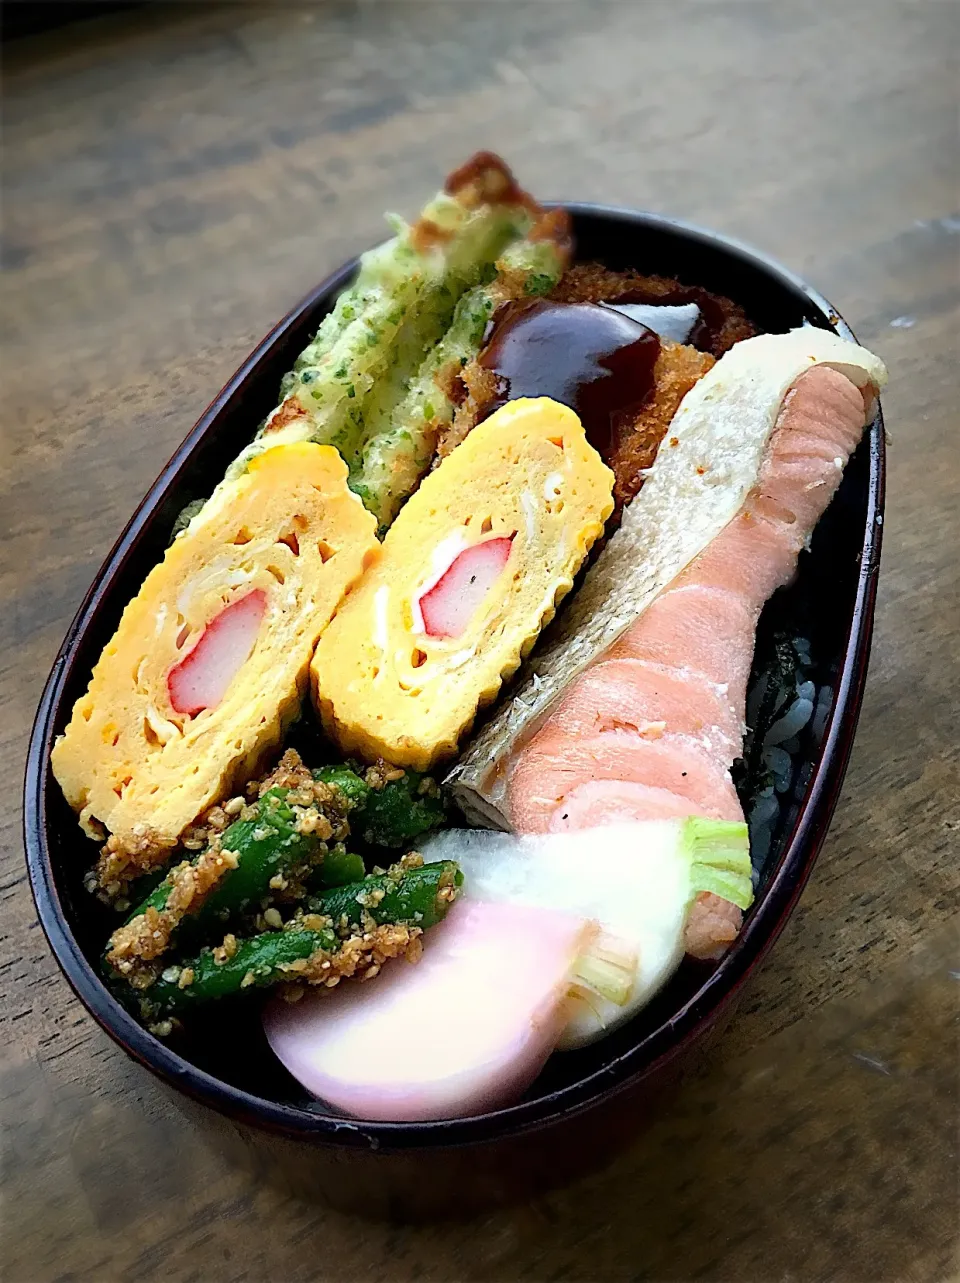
637 880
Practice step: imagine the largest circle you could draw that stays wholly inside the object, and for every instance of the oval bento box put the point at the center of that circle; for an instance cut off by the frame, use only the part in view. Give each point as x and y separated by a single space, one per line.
585 1102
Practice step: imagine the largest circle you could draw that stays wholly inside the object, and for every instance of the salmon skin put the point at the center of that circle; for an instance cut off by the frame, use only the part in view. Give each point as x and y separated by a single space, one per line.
654 727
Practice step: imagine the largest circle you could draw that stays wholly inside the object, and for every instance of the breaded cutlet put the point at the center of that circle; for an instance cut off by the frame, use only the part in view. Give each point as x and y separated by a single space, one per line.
635 437
722 322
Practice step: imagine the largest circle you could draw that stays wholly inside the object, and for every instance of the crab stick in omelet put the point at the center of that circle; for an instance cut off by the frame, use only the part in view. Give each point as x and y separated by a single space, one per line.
472 570
209 662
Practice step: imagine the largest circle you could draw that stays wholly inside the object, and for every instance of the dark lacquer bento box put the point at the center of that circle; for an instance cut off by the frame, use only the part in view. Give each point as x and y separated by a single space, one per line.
587 1101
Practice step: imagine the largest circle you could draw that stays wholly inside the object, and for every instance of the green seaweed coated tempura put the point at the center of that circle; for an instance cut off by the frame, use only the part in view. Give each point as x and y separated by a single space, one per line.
399 447
371 344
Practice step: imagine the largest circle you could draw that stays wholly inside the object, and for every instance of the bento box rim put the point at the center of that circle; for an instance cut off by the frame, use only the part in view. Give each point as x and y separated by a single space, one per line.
653 1052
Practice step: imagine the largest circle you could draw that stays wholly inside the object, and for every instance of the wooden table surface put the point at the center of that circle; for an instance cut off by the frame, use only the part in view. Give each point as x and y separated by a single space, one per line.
173 181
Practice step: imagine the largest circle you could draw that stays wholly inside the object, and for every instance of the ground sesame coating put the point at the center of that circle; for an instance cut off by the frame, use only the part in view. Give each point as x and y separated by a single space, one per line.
348 934
273 869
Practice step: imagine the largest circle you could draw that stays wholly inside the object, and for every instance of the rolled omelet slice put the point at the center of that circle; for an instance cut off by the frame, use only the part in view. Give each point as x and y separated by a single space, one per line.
210 659
472 570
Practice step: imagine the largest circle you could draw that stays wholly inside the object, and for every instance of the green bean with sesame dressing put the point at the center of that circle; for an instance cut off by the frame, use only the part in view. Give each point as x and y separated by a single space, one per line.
406 893
351 785
339 867
257 963
273 847
392 815
313 948
255 857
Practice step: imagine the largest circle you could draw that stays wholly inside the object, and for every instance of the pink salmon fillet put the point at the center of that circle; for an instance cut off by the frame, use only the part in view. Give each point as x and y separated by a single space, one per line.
640 695
652 729
555 764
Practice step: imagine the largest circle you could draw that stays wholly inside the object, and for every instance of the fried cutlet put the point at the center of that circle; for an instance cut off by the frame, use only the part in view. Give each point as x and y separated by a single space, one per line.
635 438
722 322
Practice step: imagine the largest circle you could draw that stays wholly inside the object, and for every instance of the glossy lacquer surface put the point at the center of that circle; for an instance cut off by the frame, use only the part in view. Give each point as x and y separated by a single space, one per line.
585 1101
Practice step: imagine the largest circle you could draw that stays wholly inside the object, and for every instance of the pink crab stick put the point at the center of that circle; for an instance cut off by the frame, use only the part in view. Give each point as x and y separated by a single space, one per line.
201 679
448 607
464 1030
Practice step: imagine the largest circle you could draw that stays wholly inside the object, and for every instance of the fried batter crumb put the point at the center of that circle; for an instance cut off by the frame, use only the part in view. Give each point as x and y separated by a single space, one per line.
487 179
480 386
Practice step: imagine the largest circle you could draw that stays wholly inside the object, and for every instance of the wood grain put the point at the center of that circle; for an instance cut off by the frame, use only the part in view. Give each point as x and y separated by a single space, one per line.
174 179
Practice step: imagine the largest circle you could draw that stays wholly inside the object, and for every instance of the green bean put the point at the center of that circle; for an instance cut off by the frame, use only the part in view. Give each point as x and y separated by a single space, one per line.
269 851
404 896
393 815
350 784
258 962
339 867
400 812
409 896
265 845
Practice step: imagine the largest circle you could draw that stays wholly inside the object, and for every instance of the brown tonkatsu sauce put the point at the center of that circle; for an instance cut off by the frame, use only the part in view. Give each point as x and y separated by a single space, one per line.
597 361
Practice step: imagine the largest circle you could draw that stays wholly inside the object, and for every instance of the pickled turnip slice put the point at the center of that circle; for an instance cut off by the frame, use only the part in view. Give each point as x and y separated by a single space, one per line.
201 679
637 880
448 607
464 1030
